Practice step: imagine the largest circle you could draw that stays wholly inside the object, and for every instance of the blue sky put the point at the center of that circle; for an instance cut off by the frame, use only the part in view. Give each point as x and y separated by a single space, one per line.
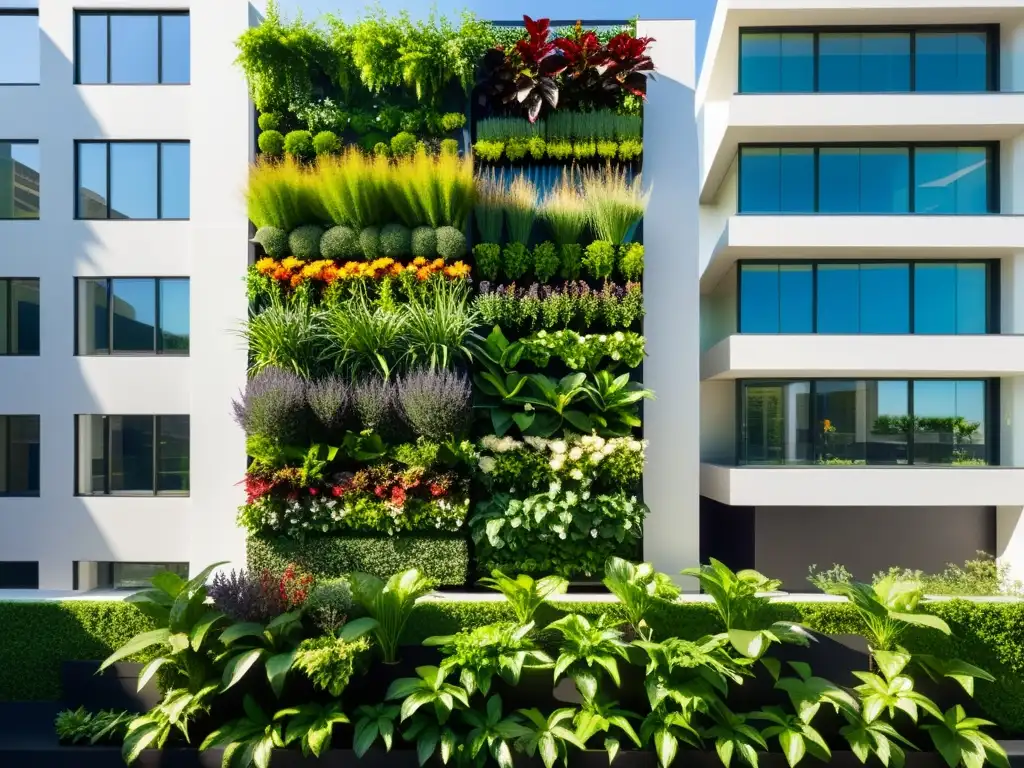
701 10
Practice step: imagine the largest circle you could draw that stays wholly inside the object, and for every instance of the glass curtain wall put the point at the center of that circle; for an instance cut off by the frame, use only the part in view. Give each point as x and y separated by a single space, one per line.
834 422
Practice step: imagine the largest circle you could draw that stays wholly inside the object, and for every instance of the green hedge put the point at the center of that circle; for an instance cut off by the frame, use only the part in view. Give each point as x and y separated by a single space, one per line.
446 561
39 636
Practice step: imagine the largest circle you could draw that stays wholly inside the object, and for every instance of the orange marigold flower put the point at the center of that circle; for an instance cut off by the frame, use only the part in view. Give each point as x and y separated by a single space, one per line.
266 265
457 270
419 261
438 264
329 275
281 273
423 273
292 263
396 269
296 280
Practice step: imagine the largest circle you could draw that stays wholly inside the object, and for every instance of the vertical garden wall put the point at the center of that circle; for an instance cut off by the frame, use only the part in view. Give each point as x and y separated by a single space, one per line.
446 334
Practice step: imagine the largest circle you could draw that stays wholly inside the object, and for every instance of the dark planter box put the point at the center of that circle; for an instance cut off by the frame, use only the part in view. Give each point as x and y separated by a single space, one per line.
114 688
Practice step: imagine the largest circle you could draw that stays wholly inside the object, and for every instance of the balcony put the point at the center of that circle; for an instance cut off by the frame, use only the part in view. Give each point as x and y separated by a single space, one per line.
851 486
743 356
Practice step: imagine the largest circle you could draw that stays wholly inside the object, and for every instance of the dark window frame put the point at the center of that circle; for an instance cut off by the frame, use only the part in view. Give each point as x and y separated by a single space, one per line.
26 142
6 418
23 12
993 274
158 344
28 584
992 149
107 450
158 143
992 52
991 419
8 310
128 12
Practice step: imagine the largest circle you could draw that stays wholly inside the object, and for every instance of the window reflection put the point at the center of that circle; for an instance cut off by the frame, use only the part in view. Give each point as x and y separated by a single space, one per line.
132 455
863 180
93 337
174 315
839 313
174 181
864 422
19 455
142 180
132 315
133 180
133 48
864 61
19 48
951 180
173 453
19 178
885 298
777 180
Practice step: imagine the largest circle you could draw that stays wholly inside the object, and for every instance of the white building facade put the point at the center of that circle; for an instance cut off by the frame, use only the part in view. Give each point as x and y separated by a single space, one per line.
862 280
125 140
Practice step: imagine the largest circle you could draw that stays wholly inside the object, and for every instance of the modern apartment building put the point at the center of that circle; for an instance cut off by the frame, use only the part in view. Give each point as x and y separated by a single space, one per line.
125 140
862 284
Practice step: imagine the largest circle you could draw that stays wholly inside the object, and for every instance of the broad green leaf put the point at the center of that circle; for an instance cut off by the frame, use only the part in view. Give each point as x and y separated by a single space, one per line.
240 630
239 665
149 670
168 582
666 745
891 663
140 739
353 630
750 643
724 748
278 666
365 734
138 643
202 627
922 620
792 744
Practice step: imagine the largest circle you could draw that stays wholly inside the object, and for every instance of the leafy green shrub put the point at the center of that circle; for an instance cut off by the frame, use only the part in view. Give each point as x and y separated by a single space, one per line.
371 139
570 261
330 662
599 259
445 561
304 242
545 261
451 243
271 143
631 261
362 122
369 242
395 241
403 144
515 149
630 149
299 144
331 595
381 149
389 118
516 261
326 143
451 121
606 149
340 244
424 242
537 148
411 120
269 121
488 260
490 151
584 149
449 147
421 147
273 240
559 149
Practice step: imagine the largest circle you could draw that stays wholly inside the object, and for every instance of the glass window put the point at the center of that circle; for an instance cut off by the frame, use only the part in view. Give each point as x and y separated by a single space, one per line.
125 455
173 453
949 419
19 177
863 180
19 574
139 575
19 316
856 62
776 423
19 47
19 464
796 298
950 298
175 49
776 298
132 315
777 180
838 298
776 63
948 62
884 298
888 409
133 48
951 180
142 180
174 315
842 422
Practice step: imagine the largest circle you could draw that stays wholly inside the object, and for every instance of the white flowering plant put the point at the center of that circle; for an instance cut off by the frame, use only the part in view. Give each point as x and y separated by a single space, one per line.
583 352
560 531
576 462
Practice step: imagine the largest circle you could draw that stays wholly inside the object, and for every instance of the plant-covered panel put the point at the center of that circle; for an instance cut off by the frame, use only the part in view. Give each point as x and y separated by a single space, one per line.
252 666
416 315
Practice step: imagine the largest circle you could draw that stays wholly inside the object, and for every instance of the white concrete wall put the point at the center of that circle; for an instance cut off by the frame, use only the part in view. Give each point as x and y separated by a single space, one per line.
213 113
671 295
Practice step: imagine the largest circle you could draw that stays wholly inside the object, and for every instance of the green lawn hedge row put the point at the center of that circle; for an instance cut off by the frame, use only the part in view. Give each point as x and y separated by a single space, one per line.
39 636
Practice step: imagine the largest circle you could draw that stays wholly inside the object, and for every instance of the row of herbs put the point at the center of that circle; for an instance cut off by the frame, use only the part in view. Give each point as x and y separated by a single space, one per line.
253 665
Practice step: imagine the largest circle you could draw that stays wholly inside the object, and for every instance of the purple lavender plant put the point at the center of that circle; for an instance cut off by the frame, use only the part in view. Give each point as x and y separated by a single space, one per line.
242 596
330 400
436 404
274 405
377 406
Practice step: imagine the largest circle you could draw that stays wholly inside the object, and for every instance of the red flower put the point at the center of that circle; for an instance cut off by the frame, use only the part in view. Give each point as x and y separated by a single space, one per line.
397 496
380 491
313 491
436 490
337 490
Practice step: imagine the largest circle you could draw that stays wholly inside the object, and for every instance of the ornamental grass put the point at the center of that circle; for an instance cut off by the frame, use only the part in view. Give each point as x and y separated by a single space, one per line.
566 210
520 209
352 189
616 201
489 211
283 195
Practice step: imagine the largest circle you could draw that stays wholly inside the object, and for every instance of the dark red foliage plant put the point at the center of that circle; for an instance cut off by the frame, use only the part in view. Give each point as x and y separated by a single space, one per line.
628 65
524 76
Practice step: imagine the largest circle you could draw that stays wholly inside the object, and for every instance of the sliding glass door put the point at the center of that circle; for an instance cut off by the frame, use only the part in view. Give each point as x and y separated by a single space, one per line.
775 423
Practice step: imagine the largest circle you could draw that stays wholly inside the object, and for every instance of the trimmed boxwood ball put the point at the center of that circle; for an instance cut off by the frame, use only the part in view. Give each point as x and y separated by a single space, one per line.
451 244
305 242
403 143
424 242
273 240
326 143
395 241
449 147
269 121
369 242
271 143
299 144
381 149
340 244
